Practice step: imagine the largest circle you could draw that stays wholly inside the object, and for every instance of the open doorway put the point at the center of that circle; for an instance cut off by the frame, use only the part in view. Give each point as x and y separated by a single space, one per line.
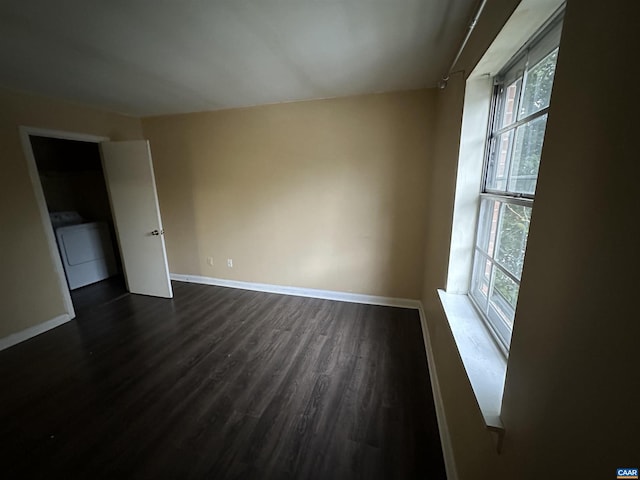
133 210
77 203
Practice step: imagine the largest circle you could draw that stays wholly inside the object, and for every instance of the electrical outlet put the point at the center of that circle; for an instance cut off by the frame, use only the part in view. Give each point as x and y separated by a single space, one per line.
210 261
230 262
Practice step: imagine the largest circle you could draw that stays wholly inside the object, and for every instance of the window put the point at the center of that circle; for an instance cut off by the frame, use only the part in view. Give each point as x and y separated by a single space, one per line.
513 149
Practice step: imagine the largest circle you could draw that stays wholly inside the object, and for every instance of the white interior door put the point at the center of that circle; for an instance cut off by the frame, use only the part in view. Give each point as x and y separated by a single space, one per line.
128 172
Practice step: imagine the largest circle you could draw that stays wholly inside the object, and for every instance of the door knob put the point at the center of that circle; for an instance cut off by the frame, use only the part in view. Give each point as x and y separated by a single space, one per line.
156 232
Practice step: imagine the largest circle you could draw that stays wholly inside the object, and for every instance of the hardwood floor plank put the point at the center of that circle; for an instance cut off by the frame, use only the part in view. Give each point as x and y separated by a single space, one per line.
221 383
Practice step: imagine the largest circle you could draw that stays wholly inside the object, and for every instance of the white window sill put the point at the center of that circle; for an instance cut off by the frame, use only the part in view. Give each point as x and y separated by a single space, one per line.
483 361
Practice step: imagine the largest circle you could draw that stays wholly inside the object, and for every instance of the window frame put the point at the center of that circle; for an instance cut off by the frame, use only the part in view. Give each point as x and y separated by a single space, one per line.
545 40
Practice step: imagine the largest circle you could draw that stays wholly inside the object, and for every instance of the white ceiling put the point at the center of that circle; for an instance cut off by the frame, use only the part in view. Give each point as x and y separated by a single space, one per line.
149 57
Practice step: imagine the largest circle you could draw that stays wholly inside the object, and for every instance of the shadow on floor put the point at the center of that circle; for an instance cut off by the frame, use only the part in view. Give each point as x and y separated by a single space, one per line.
99 293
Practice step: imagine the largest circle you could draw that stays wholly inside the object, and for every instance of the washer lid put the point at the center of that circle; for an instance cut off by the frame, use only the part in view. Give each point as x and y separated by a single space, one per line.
62 219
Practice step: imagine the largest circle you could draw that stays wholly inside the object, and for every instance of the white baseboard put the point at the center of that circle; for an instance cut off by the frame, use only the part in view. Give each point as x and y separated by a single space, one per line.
300 292
445 437
31 332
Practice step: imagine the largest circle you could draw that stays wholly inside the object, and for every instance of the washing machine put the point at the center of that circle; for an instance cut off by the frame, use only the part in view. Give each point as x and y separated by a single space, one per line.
85 248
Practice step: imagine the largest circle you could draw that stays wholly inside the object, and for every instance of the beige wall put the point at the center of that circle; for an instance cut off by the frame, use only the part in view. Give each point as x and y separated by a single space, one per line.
571 396
30 293
326 194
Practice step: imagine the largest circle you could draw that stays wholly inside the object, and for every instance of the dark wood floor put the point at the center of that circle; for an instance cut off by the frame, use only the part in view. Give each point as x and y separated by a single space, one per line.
90 296
221 383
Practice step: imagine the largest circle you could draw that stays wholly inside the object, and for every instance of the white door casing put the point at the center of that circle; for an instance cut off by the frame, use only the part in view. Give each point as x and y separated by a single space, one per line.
25 134
128 171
